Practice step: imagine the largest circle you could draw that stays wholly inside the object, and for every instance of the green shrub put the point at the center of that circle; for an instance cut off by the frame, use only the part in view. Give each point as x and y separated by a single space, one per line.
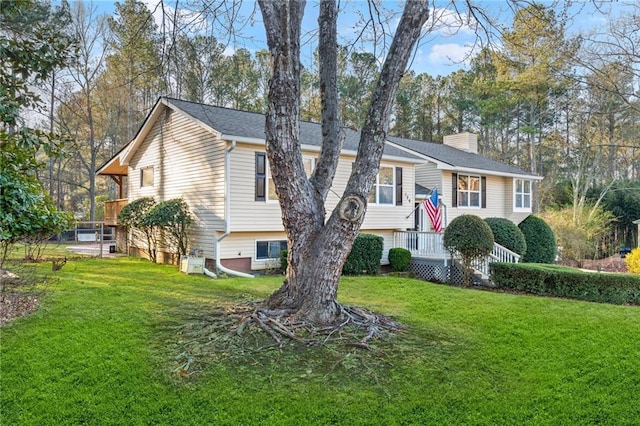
561 281
507 234
134 216
541 242
365 255
134 212
399 259
633 261
284 263
173 217
471 237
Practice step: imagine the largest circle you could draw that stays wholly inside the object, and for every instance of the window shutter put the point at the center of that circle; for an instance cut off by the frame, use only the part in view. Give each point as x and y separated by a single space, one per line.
454 190
261 176
398 186
483 191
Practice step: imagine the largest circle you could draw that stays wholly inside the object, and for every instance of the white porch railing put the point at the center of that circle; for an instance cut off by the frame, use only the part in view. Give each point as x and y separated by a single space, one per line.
498 254
421 244
431 245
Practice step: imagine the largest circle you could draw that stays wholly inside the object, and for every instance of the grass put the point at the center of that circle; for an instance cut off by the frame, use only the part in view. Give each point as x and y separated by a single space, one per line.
103 348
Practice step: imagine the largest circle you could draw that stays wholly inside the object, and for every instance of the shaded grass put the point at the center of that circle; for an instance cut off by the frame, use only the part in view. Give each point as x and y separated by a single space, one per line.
103 347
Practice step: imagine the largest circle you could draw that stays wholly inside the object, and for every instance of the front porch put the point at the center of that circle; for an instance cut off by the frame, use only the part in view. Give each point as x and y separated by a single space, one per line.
431 261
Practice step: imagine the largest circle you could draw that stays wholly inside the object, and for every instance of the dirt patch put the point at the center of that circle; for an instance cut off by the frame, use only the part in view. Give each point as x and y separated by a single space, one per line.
14 305
16 302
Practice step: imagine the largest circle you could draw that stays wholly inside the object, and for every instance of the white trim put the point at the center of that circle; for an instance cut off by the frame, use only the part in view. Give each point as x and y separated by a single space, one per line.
530 193
268 240
374 189
268 178
469 192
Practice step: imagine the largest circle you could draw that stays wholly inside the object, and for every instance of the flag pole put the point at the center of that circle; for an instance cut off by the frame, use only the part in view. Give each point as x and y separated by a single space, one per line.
420 203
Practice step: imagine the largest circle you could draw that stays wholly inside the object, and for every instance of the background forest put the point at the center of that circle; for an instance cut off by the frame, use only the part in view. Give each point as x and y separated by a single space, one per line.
565 107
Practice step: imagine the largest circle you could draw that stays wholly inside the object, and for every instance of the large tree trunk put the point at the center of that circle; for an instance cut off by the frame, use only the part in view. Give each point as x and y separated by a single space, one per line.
318 249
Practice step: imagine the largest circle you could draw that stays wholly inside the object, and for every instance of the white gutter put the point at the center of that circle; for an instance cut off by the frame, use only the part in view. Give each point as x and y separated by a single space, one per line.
227 212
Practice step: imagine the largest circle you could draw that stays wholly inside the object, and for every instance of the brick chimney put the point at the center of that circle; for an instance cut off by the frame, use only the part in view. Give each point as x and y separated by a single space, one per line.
465 141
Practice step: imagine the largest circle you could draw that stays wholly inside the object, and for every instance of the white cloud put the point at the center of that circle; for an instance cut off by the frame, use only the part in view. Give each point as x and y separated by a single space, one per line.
449 53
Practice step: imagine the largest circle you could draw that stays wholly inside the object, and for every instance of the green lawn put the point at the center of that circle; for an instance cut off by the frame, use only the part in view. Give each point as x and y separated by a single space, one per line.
103 348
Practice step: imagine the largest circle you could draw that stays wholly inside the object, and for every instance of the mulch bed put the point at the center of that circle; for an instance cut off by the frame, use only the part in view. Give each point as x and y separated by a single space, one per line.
13 305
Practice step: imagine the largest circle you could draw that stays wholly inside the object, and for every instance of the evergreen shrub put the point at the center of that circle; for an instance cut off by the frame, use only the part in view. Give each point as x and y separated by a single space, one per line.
399 259
507 234
471 237
174 218
365 255
541 242
567 282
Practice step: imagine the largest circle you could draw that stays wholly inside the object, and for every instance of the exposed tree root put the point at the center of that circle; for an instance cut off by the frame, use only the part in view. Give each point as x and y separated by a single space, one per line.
241 330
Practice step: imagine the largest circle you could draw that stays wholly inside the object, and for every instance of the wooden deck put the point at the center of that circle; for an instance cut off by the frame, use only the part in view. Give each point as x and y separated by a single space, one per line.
112 210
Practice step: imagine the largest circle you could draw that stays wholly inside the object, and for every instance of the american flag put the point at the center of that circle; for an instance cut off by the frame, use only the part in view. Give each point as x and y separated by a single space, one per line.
432 207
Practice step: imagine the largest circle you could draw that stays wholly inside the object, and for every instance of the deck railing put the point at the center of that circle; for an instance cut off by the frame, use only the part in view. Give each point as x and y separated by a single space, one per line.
112 209
431 245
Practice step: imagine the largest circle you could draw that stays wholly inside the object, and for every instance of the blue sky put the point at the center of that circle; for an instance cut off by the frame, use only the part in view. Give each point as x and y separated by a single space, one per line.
443 50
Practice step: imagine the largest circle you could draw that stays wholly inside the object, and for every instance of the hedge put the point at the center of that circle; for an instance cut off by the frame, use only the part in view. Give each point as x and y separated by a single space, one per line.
567 282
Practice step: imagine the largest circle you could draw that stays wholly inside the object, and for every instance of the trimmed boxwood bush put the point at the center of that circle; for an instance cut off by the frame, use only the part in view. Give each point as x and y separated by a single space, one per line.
562 281
365 255
470 236
507 234
541 242
399 259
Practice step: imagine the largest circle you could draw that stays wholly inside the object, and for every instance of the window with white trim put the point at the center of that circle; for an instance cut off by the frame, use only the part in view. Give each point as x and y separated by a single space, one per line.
146 176
384 189
522 194
469 191
270 249
308 162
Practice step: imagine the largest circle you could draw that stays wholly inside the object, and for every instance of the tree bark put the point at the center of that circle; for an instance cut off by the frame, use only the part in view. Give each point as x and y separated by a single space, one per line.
318 249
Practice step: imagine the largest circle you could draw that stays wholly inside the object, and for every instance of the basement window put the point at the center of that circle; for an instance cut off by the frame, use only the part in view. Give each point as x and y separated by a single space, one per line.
270 249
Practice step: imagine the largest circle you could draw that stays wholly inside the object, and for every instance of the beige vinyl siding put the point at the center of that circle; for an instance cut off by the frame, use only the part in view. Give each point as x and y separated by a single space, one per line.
429 176
247 214
378 216
515 217
243 245
250 215
188 162
499 202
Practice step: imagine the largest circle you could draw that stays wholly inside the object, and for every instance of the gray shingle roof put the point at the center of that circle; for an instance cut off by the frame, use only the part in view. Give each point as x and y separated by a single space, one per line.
456 157
251 125
422 190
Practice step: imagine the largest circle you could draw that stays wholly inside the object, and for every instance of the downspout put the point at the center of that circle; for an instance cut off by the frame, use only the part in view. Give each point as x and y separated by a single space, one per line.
227 212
